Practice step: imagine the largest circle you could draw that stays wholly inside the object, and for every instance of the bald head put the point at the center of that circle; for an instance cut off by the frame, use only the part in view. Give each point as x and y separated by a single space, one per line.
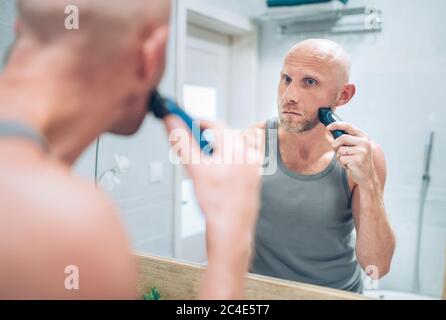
328 54
98 19
108 65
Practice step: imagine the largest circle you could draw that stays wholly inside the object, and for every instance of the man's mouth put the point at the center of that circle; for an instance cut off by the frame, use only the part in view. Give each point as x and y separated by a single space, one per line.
292 113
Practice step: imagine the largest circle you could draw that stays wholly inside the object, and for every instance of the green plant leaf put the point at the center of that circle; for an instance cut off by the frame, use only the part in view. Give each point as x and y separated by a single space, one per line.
152 295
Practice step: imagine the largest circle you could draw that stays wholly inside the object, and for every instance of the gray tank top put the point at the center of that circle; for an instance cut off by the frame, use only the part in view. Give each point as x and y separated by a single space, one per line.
305 230
12 129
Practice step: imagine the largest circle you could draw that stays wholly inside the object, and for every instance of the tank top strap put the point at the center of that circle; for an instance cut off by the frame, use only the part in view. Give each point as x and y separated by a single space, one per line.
12 129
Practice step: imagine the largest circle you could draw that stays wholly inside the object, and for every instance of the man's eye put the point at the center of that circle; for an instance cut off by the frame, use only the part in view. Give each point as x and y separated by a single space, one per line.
310 82
286 78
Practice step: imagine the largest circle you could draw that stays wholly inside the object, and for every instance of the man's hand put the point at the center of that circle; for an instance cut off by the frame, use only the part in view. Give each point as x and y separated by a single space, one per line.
354 152
229 196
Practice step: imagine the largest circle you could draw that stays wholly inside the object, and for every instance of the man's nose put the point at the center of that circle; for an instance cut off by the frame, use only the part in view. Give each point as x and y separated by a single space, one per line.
291 95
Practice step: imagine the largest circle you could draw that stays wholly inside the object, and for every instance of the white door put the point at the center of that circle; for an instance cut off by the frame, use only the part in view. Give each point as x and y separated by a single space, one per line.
205 96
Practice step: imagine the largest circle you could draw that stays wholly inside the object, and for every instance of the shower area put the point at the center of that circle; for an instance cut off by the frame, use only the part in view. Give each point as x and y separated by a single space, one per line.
417 214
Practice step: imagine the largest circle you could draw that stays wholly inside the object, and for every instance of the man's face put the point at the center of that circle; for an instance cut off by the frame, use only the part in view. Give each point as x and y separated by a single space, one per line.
307 83
137 86
136 97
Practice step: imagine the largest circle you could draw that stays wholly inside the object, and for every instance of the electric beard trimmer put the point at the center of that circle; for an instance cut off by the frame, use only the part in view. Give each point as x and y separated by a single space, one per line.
162 107
327 116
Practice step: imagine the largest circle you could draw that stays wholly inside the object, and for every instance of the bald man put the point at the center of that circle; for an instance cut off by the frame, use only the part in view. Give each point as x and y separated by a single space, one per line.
323 188
60 90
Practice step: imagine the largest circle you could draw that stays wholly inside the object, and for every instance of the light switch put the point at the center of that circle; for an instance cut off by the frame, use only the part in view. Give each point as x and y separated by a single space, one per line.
156 171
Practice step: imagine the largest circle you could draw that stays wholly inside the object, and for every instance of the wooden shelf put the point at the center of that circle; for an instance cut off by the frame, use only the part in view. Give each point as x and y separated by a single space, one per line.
177 280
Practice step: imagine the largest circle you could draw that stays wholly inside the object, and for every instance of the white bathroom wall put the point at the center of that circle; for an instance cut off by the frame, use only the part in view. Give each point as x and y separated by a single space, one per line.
399 74
247 8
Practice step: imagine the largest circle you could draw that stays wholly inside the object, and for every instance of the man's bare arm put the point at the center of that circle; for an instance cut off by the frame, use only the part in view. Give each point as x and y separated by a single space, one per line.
375 241
366 167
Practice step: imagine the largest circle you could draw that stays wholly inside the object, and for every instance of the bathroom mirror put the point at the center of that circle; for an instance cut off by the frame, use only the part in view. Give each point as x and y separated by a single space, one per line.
224 62
227 67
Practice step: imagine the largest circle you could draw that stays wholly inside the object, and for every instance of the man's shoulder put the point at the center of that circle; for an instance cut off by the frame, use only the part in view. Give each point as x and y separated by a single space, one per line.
255 135
379 159
56 219
259 125
257 132
53 187
49 196
255 129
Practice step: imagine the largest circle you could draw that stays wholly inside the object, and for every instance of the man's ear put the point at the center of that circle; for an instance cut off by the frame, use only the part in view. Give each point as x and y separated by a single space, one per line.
17 28
154 55
347 94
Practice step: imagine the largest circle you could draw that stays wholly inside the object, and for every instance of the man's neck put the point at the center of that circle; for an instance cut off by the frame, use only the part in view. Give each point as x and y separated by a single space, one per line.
308 146
52 109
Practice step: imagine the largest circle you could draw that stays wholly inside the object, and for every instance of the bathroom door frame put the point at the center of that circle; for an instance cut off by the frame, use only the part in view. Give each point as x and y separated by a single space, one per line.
242 84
